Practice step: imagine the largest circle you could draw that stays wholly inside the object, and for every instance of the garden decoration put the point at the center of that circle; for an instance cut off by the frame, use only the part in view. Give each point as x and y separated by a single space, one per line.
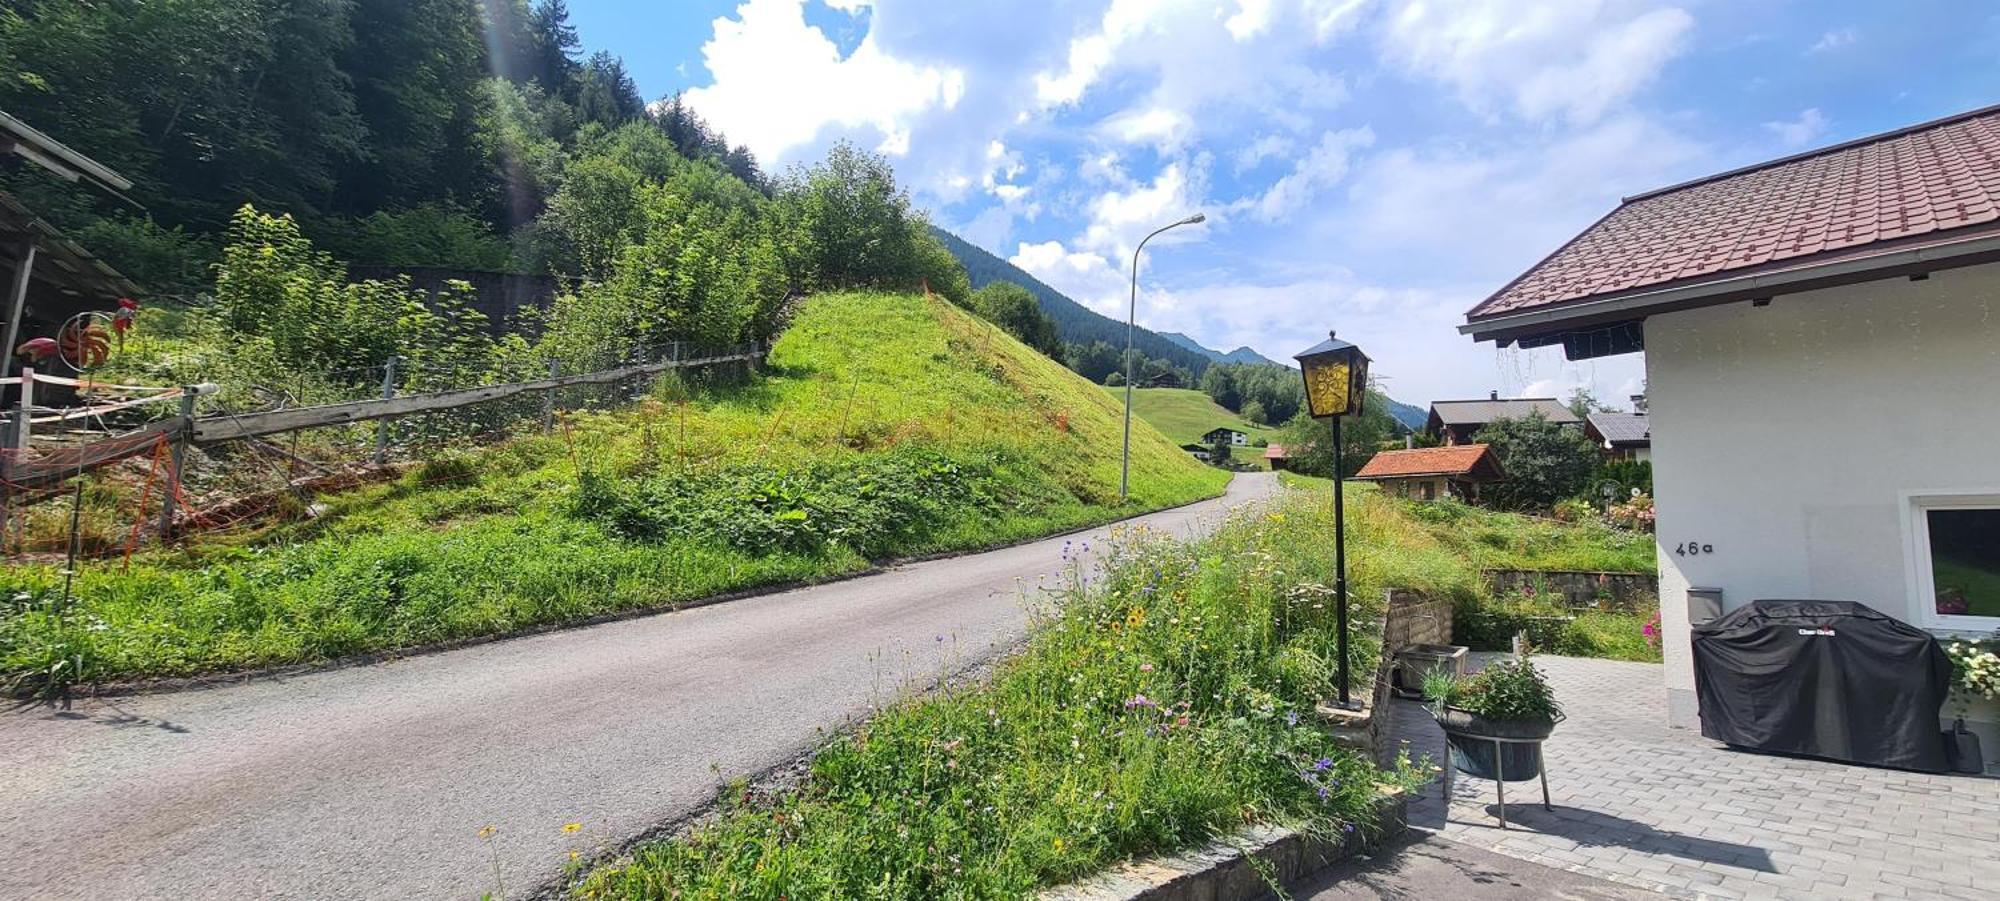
1494 724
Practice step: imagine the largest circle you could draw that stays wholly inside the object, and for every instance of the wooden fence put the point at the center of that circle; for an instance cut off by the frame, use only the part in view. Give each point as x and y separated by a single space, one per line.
24 469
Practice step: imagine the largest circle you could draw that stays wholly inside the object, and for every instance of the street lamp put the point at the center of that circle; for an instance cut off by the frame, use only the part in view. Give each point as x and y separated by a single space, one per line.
1131 320
1336 376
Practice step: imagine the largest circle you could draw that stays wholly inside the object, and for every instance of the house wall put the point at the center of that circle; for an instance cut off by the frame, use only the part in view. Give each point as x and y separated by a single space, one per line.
1785 438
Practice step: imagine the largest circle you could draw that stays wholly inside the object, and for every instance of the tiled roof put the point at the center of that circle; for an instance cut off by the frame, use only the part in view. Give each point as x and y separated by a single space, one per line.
1814 207
1622 428
1276 452
1424 461
1480 412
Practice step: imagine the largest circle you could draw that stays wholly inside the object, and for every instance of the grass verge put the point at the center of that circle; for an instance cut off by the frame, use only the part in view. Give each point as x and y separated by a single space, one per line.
1166 702
886 426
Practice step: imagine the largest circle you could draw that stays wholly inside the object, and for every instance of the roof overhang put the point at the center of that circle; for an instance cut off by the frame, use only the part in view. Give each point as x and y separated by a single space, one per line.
1597 327
55 156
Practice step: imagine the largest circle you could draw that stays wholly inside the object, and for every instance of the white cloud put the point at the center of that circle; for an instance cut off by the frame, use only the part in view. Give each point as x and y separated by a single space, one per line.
1575 59
1807 127
1091 53
1266 147
1324 167
1834 40
1088 278
1251 19
1166 129
1119 218
779 81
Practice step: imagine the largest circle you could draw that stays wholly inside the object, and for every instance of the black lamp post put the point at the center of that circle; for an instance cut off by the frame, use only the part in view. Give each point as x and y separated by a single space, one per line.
1336 375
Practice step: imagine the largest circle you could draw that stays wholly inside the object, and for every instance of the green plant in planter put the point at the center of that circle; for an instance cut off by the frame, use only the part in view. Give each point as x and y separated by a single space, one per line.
1508 691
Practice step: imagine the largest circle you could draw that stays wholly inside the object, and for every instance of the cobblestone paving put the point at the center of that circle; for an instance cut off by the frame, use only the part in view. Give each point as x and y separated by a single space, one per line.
1665 809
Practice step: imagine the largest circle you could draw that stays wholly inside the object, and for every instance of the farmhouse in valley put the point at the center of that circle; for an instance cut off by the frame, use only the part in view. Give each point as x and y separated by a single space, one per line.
1276 457
1816 330
1454 422
1225 435
1431 473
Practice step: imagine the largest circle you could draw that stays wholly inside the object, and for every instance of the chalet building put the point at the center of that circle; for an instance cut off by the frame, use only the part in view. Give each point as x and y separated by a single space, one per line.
1622 436
1816 330
1433 473
1225 435
1454 422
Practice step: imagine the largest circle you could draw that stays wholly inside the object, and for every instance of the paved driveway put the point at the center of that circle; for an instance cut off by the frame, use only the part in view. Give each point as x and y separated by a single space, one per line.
371 782
1666 809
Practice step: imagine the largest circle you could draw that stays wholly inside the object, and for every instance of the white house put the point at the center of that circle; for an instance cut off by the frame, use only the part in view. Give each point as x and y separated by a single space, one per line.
1822 341
1225 435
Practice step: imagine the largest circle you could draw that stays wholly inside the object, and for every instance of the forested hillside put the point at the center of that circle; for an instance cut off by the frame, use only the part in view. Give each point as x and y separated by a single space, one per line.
1076 323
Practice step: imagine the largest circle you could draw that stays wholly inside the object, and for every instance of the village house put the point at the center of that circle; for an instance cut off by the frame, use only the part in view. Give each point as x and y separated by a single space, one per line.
1456 421
1225 435
1819 333
1277 458
1432 473
1622 436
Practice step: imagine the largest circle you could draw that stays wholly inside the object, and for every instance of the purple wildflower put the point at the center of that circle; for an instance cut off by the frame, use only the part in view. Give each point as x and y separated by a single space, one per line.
1137 701
1322 793
1323 764
1291 717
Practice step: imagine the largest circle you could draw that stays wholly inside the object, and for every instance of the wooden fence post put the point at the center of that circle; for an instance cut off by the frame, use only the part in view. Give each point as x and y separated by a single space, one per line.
26 411
549 398
388 393
177 461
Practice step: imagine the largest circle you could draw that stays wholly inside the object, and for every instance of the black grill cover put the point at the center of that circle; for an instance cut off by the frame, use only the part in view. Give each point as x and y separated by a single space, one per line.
1830 679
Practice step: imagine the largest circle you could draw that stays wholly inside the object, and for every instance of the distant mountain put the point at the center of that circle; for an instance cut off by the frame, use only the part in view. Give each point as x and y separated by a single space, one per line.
1077 322
1074 321
1411 417
1239 355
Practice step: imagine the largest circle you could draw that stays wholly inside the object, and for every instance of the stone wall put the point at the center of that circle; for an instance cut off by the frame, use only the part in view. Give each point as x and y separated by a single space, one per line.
1587 590
1409 617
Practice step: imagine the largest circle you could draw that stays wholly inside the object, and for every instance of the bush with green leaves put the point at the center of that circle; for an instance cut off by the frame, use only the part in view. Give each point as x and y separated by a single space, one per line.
848 225
1545 462
1015 309
273 286
1510 690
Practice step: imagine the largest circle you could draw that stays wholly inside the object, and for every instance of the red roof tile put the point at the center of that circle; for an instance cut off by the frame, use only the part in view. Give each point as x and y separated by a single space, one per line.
1425 461
1917 181
1276 452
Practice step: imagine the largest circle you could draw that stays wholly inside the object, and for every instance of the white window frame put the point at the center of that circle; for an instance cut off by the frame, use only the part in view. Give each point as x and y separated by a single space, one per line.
1917 556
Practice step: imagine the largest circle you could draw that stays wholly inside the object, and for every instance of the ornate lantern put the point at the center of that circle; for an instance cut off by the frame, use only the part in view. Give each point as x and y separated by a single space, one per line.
1336 374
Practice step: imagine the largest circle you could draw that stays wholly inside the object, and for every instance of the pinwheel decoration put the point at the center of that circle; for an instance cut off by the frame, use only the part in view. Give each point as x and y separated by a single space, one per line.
85 341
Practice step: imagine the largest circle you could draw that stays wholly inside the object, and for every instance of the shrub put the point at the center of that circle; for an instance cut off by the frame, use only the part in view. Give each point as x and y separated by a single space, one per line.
1509 690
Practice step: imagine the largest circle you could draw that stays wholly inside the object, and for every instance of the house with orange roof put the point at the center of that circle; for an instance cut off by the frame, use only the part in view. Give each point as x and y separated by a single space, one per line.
1432 473
1819 332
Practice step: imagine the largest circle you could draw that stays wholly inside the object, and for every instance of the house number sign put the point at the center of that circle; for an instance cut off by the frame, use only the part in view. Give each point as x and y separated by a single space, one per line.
1693 549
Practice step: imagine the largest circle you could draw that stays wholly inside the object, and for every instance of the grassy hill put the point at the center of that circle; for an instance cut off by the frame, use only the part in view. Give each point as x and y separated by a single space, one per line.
1184 414
884 426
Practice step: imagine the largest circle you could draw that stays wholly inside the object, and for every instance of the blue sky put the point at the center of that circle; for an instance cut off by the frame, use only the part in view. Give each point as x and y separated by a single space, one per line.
1375 167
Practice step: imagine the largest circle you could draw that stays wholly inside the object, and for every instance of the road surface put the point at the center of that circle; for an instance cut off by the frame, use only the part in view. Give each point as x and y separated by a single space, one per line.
375 781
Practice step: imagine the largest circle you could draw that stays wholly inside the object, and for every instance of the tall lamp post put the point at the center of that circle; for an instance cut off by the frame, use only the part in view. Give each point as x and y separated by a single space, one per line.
1131 320
1336 375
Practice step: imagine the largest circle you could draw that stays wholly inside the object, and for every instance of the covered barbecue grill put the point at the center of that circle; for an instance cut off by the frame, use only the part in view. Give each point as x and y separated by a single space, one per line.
1831 679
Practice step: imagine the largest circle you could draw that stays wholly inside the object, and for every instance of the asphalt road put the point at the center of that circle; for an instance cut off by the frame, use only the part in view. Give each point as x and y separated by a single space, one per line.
374 781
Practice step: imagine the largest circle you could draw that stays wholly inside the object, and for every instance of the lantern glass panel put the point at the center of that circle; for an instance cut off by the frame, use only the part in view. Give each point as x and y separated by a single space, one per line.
1328 381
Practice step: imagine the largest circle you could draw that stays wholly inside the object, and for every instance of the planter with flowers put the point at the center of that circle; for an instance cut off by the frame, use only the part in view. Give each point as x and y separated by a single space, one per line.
1494 722
1975 674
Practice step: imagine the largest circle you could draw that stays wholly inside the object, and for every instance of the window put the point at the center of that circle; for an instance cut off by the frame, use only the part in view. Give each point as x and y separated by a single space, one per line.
1956 552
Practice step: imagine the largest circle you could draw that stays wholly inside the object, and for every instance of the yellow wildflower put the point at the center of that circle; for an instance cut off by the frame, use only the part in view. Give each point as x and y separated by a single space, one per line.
572 827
